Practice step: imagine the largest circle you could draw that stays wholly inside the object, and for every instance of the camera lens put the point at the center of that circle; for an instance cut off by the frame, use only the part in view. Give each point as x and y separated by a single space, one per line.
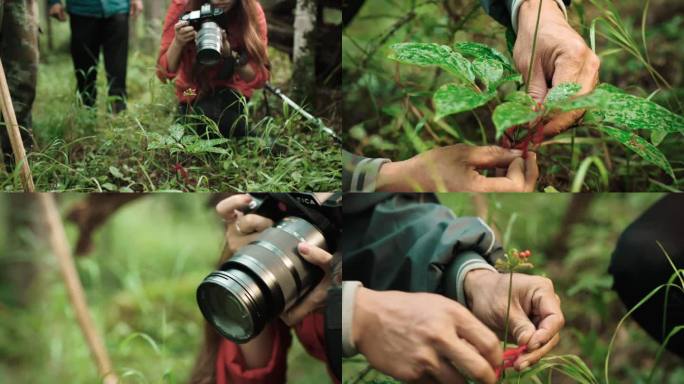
260 281
209 40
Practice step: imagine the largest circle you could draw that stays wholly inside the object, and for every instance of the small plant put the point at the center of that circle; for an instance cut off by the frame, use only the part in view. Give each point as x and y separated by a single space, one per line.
480 73
513 261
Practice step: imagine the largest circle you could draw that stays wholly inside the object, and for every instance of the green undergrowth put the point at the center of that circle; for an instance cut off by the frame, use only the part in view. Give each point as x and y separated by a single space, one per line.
146 149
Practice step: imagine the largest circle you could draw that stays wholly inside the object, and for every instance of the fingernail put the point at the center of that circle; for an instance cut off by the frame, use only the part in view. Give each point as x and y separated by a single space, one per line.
304 247
247 198
535 345
516 152
524 365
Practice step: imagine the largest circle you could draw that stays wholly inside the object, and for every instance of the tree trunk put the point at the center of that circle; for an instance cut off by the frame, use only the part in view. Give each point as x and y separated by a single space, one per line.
19 271
303 52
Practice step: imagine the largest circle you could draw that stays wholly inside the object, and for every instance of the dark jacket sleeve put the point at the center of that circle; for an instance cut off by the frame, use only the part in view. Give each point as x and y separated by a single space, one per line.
500 10
407 241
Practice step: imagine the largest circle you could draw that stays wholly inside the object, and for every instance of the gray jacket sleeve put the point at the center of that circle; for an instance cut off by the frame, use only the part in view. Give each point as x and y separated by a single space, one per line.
407 245
360 174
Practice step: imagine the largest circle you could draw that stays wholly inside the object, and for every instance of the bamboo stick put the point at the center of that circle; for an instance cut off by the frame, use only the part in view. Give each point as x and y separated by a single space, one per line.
13 132
60 247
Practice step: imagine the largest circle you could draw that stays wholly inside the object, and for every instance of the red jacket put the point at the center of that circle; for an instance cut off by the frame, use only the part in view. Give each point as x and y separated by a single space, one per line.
186 88
230 364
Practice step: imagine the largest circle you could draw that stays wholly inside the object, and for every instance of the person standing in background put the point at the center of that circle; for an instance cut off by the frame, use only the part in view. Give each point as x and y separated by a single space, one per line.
19 55
99 25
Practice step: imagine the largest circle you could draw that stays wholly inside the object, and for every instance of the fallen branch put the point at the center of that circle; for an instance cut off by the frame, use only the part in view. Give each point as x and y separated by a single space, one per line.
13 131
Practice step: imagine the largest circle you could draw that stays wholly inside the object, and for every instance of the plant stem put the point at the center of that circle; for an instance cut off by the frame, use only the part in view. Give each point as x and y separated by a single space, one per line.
534 47
508 311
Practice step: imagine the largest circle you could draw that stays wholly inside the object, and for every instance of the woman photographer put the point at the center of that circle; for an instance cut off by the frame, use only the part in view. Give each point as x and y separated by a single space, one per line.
216 91
264 358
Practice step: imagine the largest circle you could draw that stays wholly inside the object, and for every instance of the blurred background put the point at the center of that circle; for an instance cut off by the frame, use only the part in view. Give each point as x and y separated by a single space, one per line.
388 109
140 274
572 237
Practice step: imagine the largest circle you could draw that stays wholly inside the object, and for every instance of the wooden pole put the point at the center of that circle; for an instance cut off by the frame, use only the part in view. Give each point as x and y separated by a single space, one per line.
13 132
60 247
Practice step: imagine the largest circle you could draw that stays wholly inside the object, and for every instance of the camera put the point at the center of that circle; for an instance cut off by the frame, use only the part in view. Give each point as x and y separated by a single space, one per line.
267 276
209 39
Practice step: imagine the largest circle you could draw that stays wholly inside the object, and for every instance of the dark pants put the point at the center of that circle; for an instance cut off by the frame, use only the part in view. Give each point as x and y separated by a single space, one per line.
224 107
638 266
89 35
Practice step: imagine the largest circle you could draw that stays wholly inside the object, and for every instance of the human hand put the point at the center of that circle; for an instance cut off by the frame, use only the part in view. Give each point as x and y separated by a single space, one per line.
225 45
57 11
535 317
561 56
423 336
455 169
136 8
241 229
185 33
315 299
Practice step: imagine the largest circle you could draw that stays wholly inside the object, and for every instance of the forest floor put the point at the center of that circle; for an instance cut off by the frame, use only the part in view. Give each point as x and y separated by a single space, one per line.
146 149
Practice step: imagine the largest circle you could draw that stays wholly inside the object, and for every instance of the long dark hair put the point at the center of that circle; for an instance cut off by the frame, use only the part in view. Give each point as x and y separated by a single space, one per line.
246 14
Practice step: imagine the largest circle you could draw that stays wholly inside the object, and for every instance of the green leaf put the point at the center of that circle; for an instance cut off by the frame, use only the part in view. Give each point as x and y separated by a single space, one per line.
640 146
610 88
633 112
176 131
521 97
598 99
116 172
427 54
488 71
657 136
561 92
453 98
477 50
509 114
517 78
611 105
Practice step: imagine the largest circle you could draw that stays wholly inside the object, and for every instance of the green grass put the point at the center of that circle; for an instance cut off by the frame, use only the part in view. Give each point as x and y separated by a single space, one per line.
86 150
140 283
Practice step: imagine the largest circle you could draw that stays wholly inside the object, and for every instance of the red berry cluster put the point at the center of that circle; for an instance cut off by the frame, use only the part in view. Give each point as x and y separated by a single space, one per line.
525 254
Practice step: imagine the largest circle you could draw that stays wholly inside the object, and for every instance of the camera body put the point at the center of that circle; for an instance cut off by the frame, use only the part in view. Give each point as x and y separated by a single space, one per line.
206 21
267 276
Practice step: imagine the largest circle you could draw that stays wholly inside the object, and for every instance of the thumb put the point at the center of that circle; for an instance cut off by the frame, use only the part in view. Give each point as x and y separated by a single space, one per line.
538 87
521 327
516 173
491 156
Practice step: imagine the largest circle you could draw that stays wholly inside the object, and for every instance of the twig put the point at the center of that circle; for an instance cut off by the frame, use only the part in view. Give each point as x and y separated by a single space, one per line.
60 247
534 48
13 132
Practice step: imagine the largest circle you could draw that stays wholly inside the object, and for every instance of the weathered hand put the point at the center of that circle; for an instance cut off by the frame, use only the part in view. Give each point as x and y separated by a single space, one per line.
455 168
423 337
561 56
535 316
